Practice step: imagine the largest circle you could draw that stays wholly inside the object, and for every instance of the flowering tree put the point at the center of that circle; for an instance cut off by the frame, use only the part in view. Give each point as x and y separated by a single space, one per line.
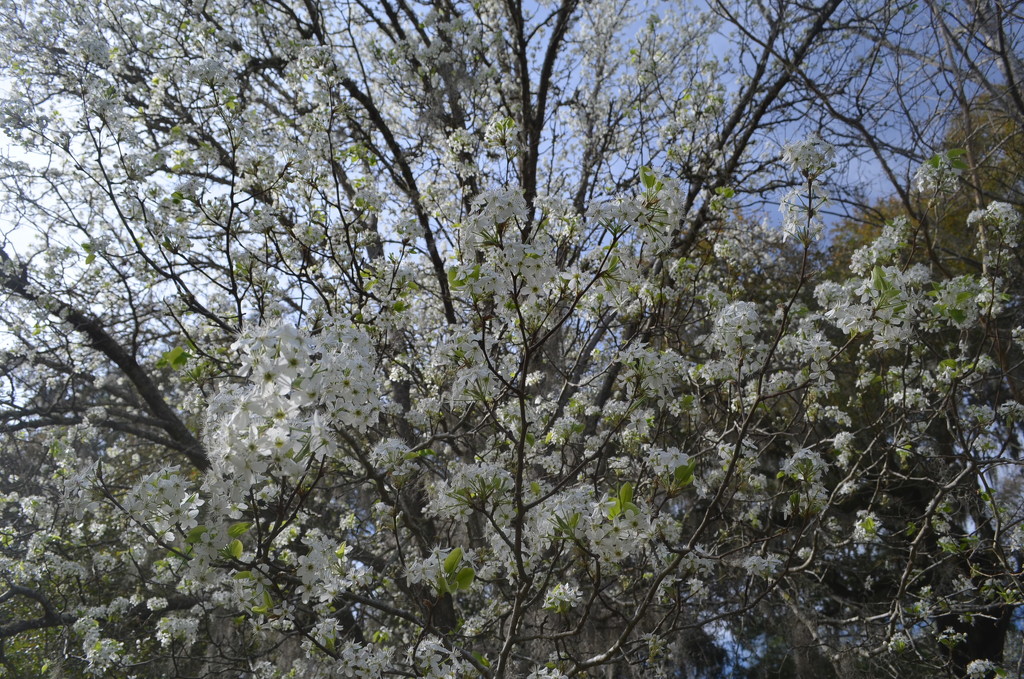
362 339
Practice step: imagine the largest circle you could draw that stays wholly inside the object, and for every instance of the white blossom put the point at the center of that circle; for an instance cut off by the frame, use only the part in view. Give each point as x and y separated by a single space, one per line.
810 156
940 173
801 210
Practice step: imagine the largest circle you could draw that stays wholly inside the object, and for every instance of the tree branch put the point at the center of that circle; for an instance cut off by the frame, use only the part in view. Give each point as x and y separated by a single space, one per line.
102 341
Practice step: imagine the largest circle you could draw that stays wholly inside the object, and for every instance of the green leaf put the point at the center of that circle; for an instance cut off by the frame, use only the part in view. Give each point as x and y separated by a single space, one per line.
647 178
177 358
626 493
453 560
879 281
683 475
268 604
415 454
567 526
195 534
235 549
239 529
623 501
242 575
464 580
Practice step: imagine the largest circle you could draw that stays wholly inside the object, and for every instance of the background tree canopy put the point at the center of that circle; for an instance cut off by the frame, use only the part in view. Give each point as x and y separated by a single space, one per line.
454 339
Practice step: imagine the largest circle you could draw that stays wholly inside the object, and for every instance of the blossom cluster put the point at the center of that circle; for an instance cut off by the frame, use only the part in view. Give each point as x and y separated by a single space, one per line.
556 414
810 156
